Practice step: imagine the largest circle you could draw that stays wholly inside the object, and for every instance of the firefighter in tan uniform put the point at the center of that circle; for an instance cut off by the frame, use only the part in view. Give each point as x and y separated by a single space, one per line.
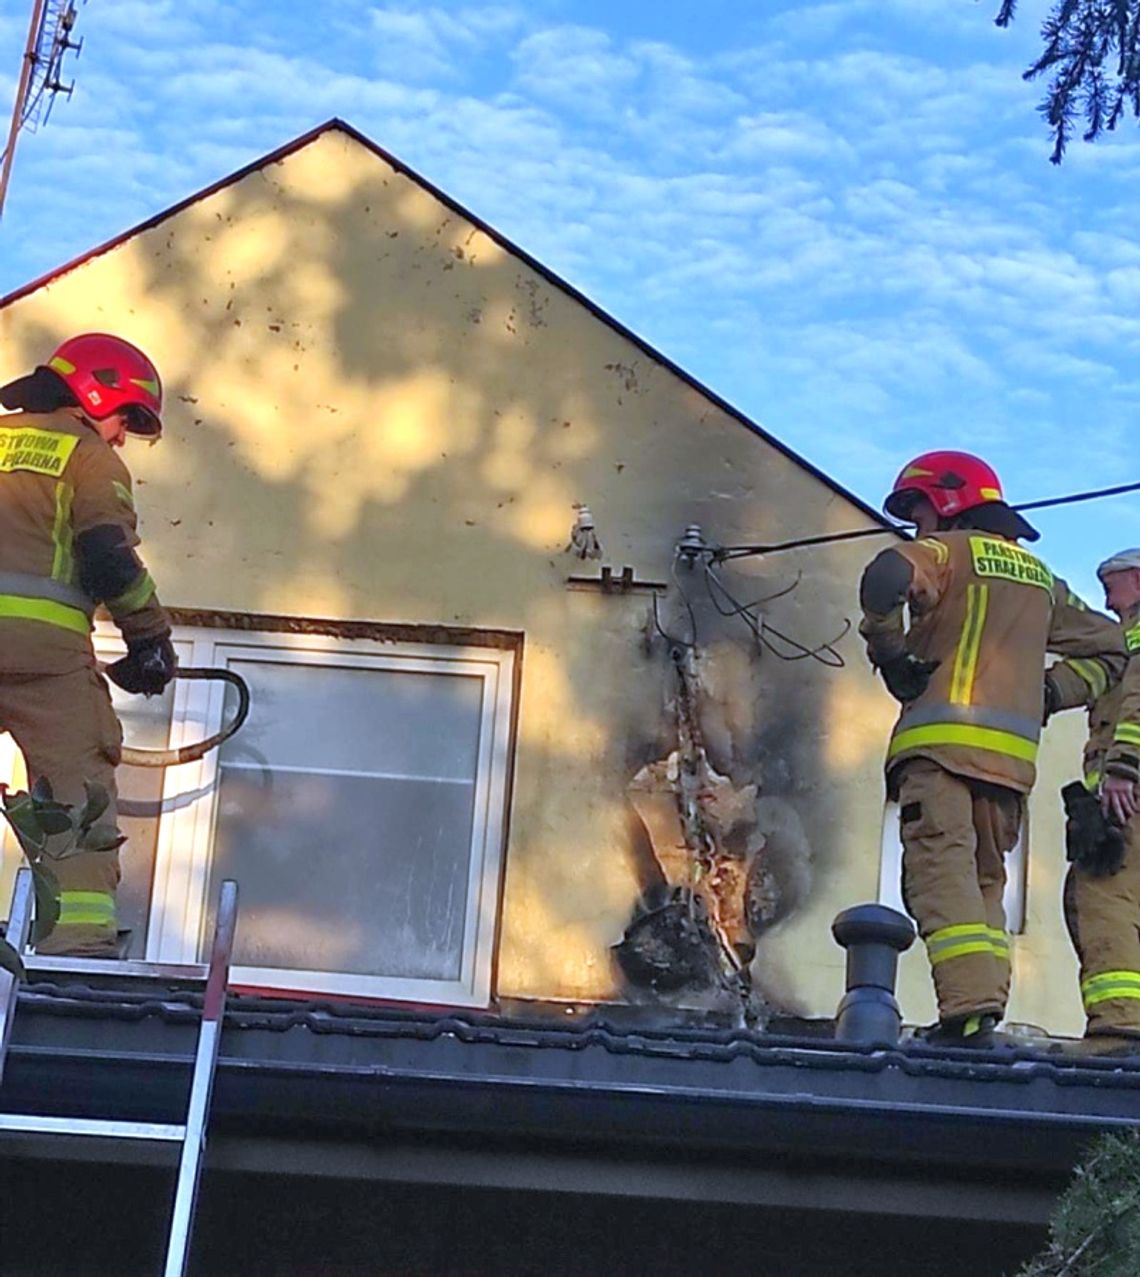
1102 892
67 542
968 672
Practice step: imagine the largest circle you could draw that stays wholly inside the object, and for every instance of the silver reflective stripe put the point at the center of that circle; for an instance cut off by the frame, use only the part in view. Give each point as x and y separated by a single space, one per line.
1001 720
42 587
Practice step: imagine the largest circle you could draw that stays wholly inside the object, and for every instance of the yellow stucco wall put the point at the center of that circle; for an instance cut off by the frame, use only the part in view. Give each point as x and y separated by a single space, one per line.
375 411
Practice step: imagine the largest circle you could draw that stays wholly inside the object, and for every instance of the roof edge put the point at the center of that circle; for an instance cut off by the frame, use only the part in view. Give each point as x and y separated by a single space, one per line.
336 123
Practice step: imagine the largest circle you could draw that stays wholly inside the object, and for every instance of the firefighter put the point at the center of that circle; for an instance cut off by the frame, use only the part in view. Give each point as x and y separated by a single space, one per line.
67 542
1102 890
968 673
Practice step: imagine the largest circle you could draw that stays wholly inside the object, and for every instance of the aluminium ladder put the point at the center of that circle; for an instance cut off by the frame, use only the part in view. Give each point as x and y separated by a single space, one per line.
191 1134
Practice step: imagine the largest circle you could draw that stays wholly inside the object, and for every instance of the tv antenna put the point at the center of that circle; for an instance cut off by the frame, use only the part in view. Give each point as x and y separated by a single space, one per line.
49 42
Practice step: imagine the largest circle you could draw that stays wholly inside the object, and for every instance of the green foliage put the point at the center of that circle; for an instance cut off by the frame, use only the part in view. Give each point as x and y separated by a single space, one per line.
49 831
1095 1230
1092 51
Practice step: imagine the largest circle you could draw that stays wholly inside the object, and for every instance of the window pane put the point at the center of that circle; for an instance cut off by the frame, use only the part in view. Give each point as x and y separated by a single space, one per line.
345 812
358 719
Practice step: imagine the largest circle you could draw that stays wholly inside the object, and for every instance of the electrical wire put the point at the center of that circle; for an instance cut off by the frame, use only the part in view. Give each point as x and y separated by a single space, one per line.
747 607
765 633
1093 494
722 553
679 644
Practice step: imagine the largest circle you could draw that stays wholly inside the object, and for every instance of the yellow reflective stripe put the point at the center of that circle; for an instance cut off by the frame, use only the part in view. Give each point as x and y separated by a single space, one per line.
961 951
62 365
1110 984
969 642
1093 673
62 562
1000 942
1092 780
963 734
1075 600
1132 639
958 941
123 493
1127 733
18 608
134 596
939 549
86 909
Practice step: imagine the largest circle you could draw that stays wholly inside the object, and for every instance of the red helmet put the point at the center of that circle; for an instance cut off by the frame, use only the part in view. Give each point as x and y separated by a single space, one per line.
951 481
108 375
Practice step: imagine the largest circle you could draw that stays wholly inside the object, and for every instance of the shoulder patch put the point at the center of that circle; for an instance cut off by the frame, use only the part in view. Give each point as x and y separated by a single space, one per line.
40 451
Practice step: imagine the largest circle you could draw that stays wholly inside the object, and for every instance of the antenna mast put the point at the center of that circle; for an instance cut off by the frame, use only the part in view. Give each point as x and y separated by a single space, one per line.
49 41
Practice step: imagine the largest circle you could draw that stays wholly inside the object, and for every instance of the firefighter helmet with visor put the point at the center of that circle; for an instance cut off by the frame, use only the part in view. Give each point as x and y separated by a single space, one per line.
108 375
952 482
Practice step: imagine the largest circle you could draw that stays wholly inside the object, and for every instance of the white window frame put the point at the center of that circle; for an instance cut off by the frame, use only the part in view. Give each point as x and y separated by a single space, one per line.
178 904
890 871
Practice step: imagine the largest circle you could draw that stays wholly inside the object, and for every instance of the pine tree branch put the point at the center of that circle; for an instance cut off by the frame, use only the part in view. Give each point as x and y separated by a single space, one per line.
1092 50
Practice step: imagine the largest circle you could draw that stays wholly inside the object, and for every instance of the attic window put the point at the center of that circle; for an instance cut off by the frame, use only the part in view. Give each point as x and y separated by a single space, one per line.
361 809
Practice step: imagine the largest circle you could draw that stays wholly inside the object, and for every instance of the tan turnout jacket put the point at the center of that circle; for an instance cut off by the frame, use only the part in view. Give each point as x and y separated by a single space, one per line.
987 611
67 538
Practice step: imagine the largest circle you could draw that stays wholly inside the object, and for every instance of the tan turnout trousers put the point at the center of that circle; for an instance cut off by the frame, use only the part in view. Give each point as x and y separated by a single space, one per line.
67 731
1103 917
956 834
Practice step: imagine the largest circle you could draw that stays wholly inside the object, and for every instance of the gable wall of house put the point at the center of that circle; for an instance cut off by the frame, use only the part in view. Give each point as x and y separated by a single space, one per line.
376 411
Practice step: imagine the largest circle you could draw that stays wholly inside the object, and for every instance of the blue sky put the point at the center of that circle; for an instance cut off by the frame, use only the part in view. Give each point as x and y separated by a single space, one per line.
839 214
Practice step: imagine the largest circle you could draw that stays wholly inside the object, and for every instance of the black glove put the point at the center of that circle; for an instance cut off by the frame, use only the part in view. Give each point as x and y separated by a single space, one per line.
1092 843
906 676
147 667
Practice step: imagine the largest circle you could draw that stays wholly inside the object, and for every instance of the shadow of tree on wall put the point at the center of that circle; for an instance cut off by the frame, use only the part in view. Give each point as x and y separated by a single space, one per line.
376 411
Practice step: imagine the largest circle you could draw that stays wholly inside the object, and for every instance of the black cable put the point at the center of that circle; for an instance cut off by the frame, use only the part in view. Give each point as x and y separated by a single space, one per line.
1092 495
768 598
754 623
721 554
825 653
836 661
681 643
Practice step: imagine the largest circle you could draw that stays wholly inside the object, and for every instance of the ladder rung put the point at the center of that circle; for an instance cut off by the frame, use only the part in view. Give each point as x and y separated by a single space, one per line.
32 1124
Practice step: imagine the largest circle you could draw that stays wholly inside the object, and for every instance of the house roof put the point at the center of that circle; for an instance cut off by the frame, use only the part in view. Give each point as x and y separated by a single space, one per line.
340 1070
337 125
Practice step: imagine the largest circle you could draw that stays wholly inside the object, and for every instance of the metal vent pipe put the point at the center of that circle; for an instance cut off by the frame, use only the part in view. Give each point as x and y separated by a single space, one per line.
874 936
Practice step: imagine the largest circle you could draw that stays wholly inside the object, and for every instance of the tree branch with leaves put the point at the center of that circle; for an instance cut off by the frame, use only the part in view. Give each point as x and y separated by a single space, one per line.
1095 1228
1092 52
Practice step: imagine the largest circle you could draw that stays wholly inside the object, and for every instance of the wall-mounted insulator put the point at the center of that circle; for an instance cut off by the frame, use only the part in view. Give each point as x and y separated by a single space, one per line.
874 936
691 545
584 537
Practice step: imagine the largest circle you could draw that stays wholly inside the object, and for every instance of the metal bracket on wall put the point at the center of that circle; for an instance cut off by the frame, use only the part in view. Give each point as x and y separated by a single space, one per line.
608 583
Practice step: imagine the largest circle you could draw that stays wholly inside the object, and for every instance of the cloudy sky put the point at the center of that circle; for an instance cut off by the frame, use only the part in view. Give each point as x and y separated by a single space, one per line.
838 214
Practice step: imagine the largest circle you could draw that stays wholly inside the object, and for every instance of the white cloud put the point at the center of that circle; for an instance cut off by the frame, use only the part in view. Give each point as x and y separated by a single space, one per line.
574 67
843 219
